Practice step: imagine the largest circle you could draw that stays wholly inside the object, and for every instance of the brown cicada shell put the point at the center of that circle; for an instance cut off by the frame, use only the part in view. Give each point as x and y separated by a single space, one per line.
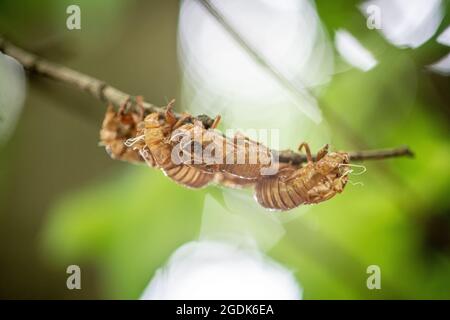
239 159
249 158
118 127
315 182
157 149
162 140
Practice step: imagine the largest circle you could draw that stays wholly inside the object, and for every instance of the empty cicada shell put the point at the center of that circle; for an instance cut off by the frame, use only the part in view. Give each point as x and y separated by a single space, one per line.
249 158
210 151
162 140
314 182
157 149
118 127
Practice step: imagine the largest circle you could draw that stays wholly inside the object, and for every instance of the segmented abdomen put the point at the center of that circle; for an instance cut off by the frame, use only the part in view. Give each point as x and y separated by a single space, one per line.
161 153
277 193
188 176
184 174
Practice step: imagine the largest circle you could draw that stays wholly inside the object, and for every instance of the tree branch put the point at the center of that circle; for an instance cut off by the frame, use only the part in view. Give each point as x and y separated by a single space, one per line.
107 93
379 154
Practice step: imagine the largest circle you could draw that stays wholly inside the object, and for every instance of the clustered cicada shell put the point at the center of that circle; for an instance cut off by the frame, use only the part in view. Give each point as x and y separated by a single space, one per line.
118 127
314 182
195 156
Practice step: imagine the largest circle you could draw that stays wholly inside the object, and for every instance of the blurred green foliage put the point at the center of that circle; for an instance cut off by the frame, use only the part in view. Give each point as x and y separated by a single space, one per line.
128 226
64 202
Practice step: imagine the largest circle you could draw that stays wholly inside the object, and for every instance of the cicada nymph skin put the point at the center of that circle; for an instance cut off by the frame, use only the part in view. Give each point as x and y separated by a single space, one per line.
157 130
118 127
240 159
249 158
162 141
314 182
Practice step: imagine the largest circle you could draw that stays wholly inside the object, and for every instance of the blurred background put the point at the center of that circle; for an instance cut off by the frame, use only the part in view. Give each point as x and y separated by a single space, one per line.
341 80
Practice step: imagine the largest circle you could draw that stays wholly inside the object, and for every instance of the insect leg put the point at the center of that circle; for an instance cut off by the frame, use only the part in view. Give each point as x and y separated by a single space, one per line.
170 116
124 106
307 150
147 156
181 121
140 104
322 152
216 122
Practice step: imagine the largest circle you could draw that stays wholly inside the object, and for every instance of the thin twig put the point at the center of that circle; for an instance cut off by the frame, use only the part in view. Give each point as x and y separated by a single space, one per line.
42 67
296 158
107 93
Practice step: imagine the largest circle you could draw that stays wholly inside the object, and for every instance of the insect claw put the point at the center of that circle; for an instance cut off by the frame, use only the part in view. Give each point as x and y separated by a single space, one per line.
216 122
322 152
307 150
140 106
124 106
170 116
